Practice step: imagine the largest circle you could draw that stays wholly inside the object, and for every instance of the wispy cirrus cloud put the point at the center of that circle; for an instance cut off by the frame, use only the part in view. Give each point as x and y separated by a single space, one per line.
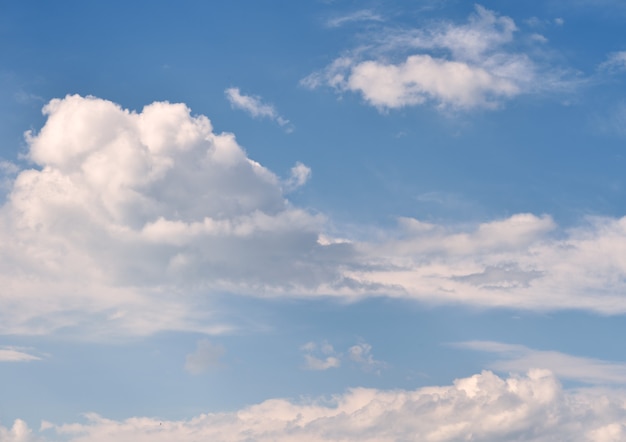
615 62
520 359
16 354
255 106
363 15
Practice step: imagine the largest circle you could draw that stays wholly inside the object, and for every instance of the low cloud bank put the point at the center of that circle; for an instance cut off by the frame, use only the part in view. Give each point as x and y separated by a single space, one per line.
483 407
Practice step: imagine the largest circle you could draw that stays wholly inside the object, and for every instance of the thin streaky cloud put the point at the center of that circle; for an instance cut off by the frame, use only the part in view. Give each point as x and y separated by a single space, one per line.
255 106
364 15
16 354
520 359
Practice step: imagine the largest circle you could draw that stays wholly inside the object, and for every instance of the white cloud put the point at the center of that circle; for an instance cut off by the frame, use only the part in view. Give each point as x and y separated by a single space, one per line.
323 356
8 171
519 359
152 204
299 176
361 353
205 357
255 107
357 16
16 354
320 357
122 211
519 262
483 407
19 432
456 67
615 62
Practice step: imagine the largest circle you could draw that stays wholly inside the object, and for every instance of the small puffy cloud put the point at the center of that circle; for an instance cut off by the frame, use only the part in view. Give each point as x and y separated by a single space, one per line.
255 107
361 353
320 357
364 15
454 66
483 407
300 174
323 356
519 359
16 354
205 357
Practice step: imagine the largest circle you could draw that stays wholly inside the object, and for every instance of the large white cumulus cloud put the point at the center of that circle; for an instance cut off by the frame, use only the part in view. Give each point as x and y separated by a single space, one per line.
130 223
129 212
484 407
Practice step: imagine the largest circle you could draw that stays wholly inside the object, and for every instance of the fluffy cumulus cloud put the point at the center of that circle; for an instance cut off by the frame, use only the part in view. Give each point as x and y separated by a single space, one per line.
126 216
454 66
129 223
483 407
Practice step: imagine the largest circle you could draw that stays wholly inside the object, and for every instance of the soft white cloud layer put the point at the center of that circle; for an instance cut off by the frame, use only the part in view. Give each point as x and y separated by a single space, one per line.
518 358
454 66
615 62
483 407
205 357
255 107
522 262
130 222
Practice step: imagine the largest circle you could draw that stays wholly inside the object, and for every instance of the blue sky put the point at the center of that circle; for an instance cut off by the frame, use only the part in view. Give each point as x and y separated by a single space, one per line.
316 220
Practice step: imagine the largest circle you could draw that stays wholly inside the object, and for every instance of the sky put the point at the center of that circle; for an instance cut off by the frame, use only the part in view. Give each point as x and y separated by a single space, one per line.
313 220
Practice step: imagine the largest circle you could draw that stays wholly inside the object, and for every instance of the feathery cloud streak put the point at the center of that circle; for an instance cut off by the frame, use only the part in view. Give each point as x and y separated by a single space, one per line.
255 107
